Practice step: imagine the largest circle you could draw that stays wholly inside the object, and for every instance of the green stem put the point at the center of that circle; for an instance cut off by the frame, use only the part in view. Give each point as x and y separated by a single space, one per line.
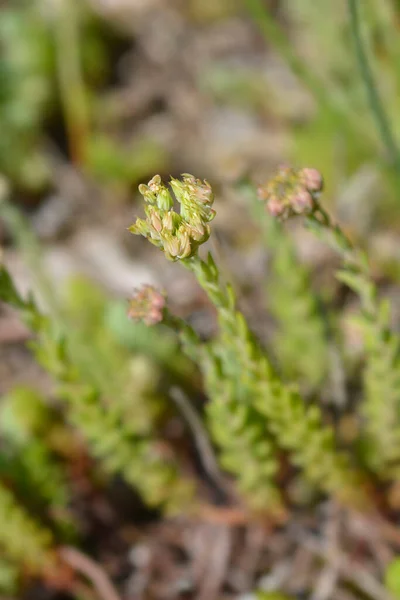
238 340
376 105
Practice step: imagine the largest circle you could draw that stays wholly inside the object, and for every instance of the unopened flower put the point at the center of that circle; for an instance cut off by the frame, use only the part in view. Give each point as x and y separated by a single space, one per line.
140 227
164 199
179 235
179 245
312 179
147 305
276 207
195 197
171 221
155 184
156 222
301 202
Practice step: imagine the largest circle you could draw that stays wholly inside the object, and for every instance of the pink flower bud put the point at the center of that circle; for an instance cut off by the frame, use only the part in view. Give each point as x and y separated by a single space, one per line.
301 202
147 305
312 179
275 207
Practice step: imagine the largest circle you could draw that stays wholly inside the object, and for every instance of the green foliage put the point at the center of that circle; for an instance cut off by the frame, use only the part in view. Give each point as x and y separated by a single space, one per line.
8 291
25 73
247 451
121 449
24 415
21 538
9 576
381 406
301 342
232 382
392 577
117 416
159 344
25 428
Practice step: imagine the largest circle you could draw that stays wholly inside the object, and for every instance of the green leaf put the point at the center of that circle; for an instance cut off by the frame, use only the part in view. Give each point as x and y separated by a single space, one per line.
8 291
392 578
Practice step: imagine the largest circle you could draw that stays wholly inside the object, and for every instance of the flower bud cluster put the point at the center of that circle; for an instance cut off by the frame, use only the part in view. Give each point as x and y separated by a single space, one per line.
291 192
147 305
178 234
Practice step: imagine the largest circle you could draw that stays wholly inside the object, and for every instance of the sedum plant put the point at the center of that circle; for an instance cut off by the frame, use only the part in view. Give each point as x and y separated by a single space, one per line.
129 446
381 406
282 414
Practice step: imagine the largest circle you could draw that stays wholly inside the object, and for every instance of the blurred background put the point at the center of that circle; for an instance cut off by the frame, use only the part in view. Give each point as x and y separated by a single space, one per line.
96 96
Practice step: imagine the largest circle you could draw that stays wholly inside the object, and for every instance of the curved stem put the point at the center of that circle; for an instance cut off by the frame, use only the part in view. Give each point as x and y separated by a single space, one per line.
377 108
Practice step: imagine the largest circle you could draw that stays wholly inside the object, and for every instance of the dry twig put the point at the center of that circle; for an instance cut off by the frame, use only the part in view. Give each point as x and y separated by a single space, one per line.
91 570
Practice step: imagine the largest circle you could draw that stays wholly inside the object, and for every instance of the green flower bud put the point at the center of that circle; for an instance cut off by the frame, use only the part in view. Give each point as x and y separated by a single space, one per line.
140 227
185 247
164 199
147 194
171 246
178 234
171 221
155 184
179 189
199 232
